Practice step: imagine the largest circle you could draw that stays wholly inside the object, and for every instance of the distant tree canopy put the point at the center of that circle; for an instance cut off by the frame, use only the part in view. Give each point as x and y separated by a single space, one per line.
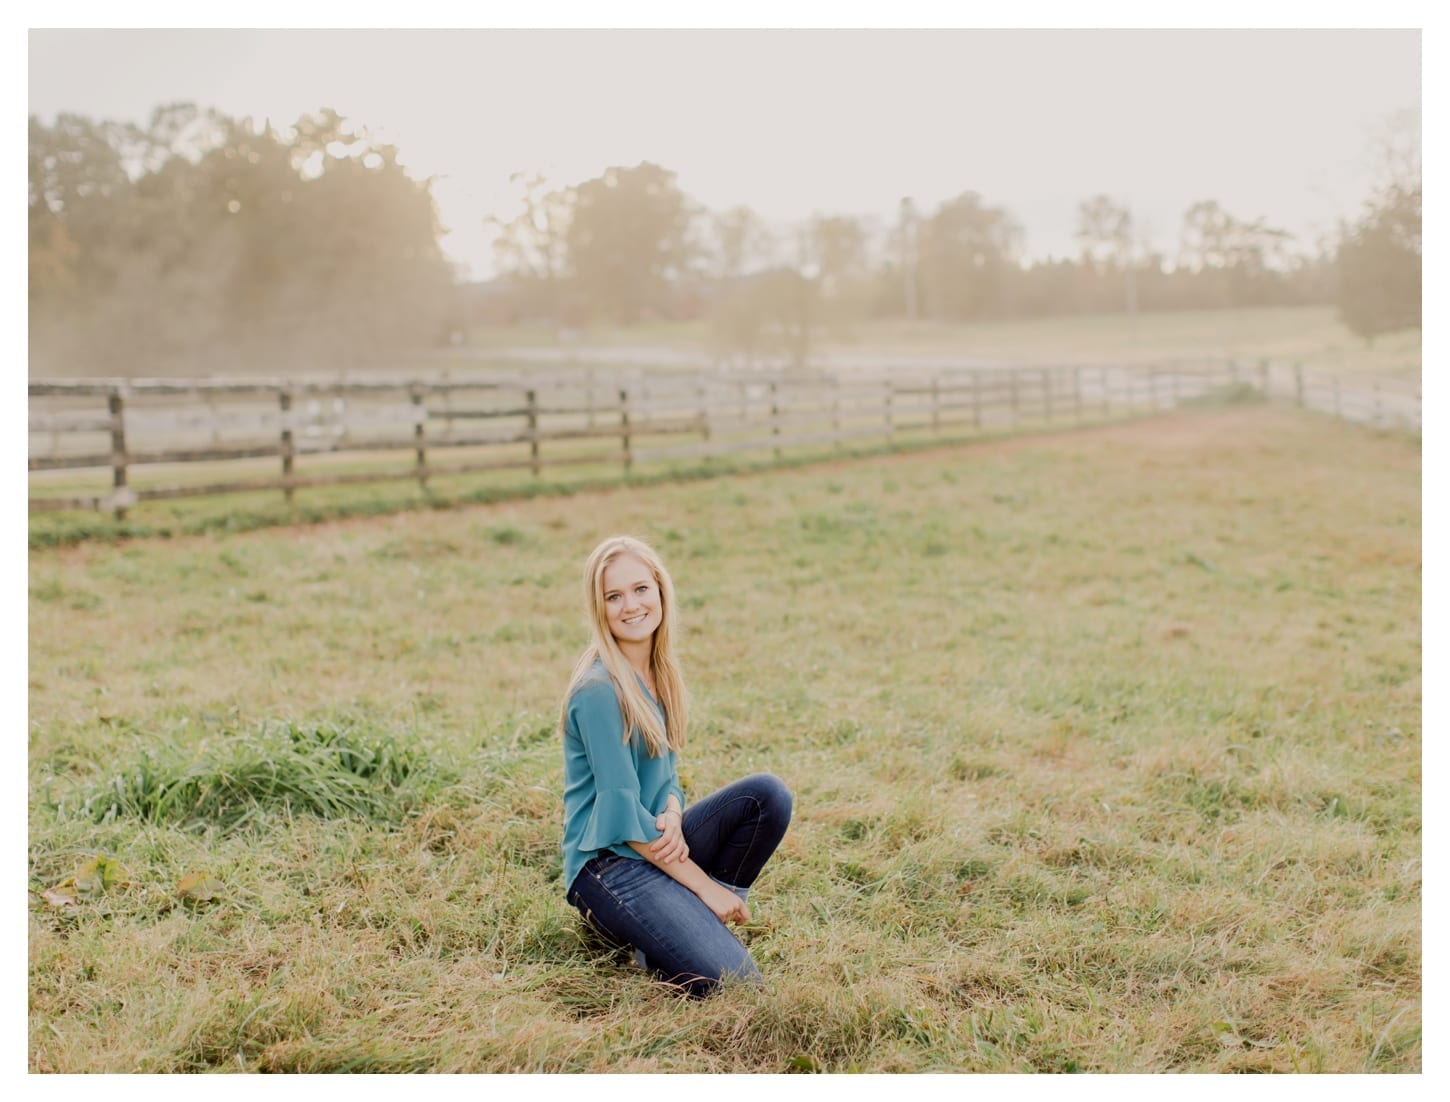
630 245
197 244
967 250
200 244
1380 267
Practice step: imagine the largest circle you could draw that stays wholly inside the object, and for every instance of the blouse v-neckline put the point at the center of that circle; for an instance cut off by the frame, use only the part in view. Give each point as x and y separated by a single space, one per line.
643 684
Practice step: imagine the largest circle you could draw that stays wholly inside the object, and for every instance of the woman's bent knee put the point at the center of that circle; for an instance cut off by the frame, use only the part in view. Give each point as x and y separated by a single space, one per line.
708 981
773 794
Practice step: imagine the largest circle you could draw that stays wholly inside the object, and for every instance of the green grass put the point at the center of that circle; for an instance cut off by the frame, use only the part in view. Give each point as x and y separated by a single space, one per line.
332 771
561 474
251 510
1105 745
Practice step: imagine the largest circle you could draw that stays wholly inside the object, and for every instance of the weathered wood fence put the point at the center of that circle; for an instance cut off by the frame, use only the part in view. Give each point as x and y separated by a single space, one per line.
1380 401
207 437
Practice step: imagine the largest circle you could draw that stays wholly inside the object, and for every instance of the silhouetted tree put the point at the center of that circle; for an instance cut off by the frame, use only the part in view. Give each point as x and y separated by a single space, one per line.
532 252
765 315
966 248
201 243
1379 263
837 248
741 242
1104 233
629 235
1380 266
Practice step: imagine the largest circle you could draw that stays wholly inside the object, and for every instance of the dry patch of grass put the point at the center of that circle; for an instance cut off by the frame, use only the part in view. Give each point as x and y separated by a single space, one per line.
1105 746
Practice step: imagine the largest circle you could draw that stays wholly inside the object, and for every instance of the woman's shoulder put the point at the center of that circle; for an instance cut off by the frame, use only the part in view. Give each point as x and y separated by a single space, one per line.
593 682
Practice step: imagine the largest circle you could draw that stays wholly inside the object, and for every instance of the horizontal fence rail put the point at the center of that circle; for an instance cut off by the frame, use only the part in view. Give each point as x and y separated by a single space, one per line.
551 418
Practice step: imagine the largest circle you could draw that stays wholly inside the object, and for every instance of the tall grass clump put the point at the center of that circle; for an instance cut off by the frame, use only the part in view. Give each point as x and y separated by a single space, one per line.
331 770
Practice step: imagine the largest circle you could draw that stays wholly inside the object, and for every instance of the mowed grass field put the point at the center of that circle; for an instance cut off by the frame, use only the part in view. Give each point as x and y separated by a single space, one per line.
1105 745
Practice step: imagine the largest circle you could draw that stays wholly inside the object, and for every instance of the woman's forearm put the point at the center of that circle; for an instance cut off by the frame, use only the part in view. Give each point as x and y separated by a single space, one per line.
686 872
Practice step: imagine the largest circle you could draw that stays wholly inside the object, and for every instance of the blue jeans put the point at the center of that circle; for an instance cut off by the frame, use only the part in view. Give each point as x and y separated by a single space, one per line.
731 834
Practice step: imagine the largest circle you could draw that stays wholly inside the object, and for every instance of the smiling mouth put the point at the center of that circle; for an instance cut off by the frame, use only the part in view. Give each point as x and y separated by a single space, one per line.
636 619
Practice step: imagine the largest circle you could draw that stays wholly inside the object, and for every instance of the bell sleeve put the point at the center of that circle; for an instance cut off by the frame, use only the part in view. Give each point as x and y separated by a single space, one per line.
618 815
675 789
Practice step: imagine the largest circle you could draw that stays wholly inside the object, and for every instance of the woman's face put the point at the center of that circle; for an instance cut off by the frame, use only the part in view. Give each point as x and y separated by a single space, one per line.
631 600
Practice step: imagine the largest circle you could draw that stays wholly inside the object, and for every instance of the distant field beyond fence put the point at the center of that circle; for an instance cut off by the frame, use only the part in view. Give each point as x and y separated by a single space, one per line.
91 439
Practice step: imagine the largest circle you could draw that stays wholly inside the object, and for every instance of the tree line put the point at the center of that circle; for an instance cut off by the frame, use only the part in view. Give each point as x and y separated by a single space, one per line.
203 243
631 246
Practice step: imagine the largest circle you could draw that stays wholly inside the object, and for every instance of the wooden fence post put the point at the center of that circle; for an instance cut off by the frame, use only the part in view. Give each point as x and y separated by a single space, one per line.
1378 408
420 416
287 445
704 409
890 407
1047 394
118 452
532 397
1077 394
216 432
1012 391
836 410
775 416
1299 383
624 430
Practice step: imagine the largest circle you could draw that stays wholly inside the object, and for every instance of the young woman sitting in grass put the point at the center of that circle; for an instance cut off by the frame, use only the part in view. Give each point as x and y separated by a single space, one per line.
643 869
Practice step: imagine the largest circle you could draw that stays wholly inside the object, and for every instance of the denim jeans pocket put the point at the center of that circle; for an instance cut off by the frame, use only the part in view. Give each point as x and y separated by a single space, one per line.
603 863
595 867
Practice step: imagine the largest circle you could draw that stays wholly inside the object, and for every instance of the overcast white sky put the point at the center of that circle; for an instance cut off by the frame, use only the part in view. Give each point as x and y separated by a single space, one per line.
1272 124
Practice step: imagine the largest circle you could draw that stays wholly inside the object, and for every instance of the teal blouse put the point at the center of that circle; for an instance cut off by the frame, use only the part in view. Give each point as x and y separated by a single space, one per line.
613 789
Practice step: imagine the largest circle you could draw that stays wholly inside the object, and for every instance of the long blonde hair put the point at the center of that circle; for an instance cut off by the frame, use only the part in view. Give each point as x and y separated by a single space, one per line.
634 706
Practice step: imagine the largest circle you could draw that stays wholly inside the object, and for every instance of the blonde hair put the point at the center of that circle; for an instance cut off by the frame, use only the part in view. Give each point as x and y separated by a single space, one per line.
635 708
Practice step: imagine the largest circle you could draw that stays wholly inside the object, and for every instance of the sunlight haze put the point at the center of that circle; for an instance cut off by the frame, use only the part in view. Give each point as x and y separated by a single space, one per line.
1272 124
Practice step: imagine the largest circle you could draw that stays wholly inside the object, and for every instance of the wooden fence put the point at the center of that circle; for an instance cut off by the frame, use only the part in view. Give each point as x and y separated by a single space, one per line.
1379 401
206 437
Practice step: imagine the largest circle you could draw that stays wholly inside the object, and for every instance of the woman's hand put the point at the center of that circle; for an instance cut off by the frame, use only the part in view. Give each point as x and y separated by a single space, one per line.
728 906
671 844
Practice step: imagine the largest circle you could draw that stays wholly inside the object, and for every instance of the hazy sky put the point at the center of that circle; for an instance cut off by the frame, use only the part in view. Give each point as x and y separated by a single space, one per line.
1272 124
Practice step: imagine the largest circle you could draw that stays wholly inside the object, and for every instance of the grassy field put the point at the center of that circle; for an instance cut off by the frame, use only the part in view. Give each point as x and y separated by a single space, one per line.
1312 335
1106 751
568 466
